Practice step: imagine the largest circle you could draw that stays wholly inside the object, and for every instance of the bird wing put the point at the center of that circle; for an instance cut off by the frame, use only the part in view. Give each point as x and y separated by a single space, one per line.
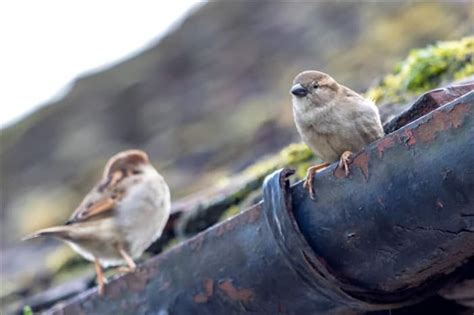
367 122
93 209
102 198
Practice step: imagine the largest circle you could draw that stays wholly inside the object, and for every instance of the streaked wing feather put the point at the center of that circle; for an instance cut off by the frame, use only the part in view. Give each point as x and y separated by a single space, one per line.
100 206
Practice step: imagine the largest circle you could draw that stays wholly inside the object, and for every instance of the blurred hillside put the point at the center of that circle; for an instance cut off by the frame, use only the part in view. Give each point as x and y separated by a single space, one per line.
205 101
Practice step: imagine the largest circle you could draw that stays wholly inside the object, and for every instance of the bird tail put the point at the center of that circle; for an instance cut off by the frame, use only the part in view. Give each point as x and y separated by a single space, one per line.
55 231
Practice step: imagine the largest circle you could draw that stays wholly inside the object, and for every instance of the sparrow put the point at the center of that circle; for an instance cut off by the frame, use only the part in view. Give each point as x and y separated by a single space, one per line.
332 120
120 217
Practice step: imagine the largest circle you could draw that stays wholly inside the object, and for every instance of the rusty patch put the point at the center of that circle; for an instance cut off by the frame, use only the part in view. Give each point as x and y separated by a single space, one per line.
196 242
458 114
208 292
115 289
441 121
132 281
254 214
241 295
222 228
362 162
384 144
339 172
427 103
138 281
409 137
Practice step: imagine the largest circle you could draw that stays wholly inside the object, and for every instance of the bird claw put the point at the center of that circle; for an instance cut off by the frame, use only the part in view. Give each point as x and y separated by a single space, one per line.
308 183
101 289
125 269
345 160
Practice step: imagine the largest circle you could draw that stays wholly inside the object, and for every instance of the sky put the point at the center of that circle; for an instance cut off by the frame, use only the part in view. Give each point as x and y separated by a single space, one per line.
46 44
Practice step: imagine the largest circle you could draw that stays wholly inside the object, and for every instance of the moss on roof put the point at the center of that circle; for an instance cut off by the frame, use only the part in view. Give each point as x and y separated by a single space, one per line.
425 69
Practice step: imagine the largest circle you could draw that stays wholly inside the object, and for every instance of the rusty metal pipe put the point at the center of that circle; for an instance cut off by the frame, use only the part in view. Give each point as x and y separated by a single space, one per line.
400 227
406 214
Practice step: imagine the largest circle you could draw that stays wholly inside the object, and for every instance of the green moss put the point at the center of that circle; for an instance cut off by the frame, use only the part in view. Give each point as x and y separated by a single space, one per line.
230 212
295 155
27 310
468 70
291 156
426 69
171 243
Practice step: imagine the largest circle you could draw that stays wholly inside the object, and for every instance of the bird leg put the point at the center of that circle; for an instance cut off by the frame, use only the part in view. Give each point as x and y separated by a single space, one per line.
346 158
131 264
100 277
308 183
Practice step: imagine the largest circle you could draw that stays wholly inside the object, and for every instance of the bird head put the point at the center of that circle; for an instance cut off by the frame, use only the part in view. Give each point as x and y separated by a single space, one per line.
130 162
313 89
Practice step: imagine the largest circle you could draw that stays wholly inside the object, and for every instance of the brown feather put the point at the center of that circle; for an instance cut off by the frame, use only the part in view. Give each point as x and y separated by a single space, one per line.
97 208
55 231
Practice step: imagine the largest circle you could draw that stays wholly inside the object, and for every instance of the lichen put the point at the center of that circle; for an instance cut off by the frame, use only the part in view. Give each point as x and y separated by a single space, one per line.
290 156
425 69
230 212
171 243
296 155
27 310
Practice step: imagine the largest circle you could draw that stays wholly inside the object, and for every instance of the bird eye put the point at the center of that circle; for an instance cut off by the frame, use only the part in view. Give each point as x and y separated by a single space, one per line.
315 85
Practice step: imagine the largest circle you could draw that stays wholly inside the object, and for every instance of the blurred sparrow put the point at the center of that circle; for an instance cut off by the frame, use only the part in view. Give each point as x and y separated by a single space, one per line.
120 217
333 120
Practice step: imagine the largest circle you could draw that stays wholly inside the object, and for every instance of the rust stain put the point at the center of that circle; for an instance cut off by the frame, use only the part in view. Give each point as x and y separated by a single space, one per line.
224 227
459 113
409 137
241 295
196 242
441 121
254 214
208 292
220 229
137 282
362 162
132 281
339 172
385 143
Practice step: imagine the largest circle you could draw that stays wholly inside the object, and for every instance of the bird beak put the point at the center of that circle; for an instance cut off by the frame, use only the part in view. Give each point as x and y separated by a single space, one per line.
298 90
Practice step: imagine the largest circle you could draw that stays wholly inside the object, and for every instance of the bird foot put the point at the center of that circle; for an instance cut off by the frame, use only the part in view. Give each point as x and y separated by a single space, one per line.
345 160
101 279
101 289
310 173
125 269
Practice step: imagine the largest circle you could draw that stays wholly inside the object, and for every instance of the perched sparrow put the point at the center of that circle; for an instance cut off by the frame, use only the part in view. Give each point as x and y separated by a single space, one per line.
120 217
333 120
